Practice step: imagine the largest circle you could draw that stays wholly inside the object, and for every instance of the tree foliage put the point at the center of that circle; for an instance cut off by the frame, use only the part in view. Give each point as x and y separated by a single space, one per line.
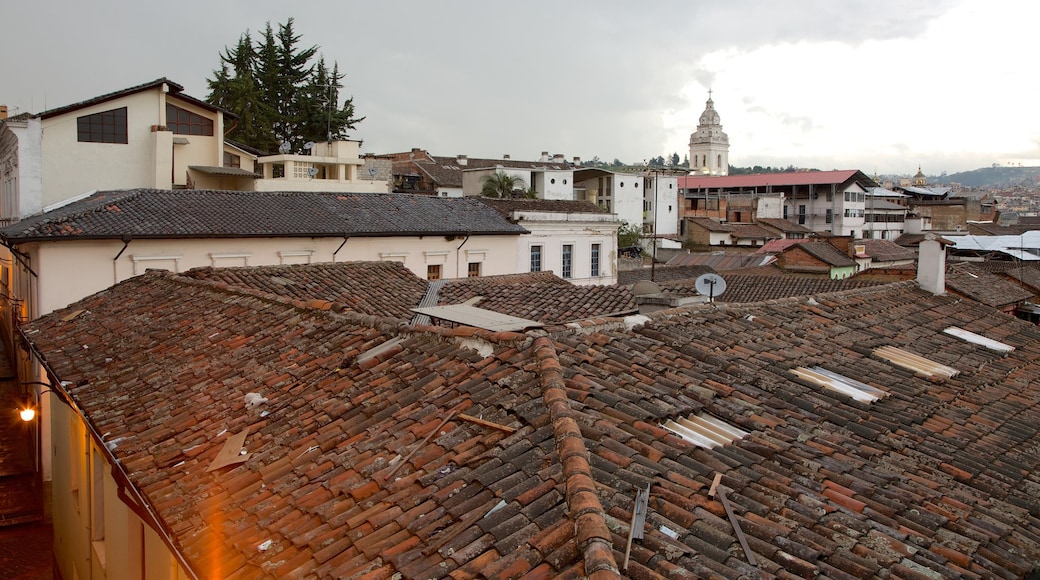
278 93
628 235
503 185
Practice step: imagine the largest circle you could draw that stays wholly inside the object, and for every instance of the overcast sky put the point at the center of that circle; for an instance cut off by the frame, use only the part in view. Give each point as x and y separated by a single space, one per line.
878 85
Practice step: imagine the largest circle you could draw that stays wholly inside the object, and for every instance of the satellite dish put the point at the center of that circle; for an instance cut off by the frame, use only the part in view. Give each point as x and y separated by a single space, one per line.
308 145
710 285
372 172
312 171
284 148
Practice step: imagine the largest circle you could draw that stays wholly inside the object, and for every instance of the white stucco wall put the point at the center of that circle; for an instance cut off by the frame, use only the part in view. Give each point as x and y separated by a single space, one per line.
552 231
21 169
96 267
558 185
628 197
663 198
473 179
770 207
148 159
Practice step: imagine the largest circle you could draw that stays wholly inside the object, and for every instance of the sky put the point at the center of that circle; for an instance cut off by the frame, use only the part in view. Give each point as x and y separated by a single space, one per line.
883 86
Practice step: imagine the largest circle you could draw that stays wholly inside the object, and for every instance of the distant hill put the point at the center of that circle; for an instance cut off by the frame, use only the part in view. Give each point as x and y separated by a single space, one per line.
994 177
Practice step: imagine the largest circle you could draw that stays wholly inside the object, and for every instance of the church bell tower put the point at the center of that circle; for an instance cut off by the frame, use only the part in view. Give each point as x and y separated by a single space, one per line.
709 145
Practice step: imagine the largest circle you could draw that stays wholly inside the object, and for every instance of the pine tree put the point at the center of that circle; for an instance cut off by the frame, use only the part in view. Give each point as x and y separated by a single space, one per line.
278 95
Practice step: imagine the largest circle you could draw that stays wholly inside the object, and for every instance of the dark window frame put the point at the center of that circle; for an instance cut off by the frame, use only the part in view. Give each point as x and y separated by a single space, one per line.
104 127
184 122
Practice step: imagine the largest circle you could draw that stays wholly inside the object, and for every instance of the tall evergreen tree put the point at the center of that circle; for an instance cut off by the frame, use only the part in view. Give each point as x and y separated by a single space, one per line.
278 94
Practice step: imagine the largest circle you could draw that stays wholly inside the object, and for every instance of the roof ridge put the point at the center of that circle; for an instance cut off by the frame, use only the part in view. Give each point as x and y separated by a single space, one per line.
382 323
591 533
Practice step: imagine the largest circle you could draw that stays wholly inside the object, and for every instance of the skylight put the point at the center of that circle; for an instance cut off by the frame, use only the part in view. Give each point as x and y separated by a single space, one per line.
915 363
703 430
849 387
979 339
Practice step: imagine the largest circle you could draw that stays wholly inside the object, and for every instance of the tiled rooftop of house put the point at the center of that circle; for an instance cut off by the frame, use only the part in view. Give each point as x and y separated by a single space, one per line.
539 296
886 251
826 253
750 288
382 289
978 284
662 273
465 453
144 213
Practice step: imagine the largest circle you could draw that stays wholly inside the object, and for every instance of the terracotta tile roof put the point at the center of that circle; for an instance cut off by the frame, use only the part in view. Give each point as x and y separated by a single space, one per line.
539 296
144 213
777 246
712 225
826 253
719 261
383 289
751 288
786 226
750 232
776 179
886 251
968 280
662 274
361 469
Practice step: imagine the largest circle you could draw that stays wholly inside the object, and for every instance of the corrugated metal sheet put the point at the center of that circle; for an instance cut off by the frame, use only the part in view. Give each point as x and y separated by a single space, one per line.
840 383
978 339
704 430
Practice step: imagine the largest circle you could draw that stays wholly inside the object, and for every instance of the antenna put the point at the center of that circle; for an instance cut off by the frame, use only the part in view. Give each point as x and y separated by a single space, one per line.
710 285
284 148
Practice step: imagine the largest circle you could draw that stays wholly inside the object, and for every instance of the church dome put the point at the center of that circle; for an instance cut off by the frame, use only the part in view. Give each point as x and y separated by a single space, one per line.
710 116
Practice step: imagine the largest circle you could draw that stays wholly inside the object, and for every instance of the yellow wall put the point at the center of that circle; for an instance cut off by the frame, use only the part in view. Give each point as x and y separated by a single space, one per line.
96 535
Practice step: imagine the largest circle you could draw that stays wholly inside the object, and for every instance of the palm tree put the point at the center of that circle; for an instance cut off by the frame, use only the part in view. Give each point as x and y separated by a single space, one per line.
502 185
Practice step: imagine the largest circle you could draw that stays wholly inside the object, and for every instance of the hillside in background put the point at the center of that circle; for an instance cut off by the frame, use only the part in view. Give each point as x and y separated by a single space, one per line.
991 177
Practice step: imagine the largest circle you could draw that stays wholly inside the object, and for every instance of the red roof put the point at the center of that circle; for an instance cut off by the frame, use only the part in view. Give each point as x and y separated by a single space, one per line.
759 179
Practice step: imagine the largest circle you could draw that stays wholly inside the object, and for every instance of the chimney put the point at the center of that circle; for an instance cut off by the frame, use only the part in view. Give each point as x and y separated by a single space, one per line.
558 158
545 156
506 156
461 160
3 111
577 160
931 264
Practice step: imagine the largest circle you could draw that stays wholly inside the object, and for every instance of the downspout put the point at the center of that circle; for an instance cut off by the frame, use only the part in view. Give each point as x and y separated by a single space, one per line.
345 238
458 258
143 509
115 270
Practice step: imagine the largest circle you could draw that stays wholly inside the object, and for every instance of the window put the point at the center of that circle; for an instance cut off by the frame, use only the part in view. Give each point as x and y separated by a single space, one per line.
801 214
568 253
594 260
433 272
232 160
474 270
536 258
830 215
183 122
106 127
785 212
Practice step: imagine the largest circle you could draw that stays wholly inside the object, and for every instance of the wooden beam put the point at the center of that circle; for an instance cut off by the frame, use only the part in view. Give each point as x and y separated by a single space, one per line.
480 421
717 489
